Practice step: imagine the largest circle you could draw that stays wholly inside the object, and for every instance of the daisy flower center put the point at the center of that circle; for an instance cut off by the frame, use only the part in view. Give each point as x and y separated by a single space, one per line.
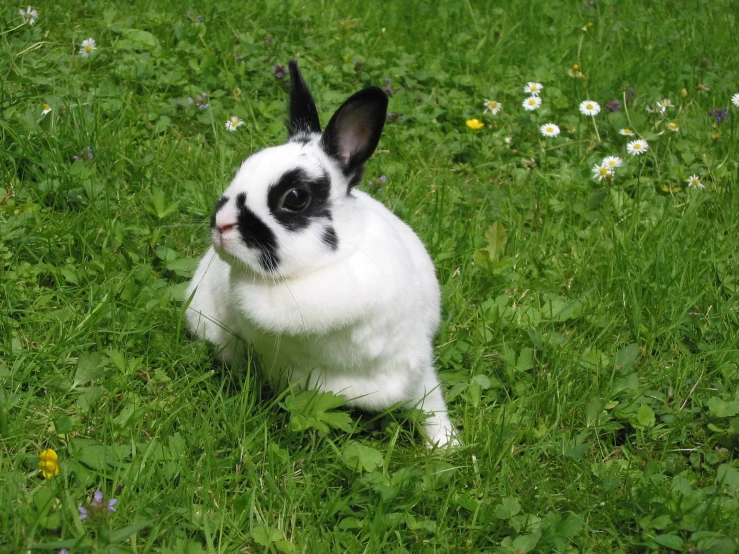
88 48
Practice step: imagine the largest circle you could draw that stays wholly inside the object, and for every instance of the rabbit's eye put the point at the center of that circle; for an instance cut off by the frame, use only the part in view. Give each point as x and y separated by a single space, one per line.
296 200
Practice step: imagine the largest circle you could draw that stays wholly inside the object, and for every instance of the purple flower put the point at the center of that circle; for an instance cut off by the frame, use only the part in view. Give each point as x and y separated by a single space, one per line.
719 114
375 184
97 510
613 106
630 92
201 101
279 70
387 88
86 152
239 58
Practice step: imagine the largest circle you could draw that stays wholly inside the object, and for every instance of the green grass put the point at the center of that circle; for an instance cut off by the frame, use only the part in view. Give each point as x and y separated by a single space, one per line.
588 346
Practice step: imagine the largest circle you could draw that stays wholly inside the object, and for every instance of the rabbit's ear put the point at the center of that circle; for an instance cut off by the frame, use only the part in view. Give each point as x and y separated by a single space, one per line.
354 130
303 112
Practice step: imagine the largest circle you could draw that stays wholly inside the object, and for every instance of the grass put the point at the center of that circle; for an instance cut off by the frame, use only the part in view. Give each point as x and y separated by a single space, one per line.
588 346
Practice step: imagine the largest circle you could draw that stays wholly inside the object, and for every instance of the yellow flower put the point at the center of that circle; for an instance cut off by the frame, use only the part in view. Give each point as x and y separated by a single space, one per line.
48 463
684 92
475 124
574 71
672 126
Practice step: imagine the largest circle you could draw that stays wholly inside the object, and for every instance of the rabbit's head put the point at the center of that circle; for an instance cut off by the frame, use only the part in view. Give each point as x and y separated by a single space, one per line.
277 216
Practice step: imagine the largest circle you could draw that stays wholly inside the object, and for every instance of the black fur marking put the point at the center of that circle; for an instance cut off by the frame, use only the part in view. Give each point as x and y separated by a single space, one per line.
255 234
330 239
318 208
221 202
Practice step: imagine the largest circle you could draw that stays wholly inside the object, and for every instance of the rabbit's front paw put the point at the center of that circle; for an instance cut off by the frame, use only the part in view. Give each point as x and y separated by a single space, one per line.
440 431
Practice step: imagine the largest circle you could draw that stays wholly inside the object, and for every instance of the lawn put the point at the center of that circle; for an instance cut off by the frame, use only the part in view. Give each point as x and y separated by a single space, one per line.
588 345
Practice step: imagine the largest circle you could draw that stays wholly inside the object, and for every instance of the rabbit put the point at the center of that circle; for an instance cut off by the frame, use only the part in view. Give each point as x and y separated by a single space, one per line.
333 291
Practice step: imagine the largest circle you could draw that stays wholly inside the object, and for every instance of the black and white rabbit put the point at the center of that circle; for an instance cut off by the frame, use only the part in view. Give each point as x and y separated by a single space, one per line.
333 290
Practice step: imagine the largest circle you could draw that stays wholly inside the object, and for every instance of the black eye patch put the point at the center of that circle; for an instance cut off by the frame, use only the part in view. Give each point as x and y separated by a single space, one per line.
315 188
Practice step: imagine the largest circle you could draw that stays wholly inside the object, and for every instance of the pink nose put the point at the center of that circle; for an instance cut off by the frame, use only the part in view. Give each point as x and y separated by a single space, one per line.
227 227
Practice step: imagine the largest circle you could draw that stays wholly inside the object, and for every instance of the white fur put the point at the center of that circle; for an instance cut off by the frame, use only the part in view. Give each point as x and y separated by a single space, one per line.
358 321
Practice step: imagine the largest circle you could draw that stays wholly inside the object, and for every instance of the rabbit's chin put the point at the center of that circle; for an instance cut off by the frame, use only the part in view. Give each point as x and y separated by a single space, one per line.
242 266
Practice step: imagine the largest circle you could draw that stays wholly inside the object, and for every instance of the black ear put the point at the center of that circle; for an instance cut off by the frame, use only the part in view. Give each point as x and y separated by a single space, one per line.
354 130
303 112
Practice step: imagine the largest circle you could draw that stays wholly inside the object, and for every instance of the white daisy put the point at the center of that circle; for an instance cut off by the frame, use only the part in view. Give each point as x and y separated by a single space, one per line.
532 103
695 182
493 107
233 124
636 147
663 104
601 172
612 162
549 130
533 88
46 109
626 132
588 107
735 99
29 15
88 47
672 127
